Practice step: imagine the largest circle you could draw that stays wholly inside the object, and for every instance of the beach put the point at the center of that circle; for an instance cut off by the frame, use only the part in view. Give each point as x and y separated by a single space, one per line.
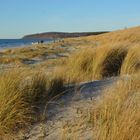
64 89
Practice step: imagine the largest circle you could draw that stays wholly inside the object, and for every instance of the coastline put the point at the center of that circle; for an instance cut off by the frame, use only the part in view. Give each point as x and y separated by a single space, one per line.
20 43
43 55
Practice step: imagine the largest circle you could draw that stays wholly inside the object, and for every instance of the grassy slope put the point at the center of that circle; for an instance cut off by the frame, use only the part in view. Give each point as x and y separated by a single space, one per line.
101 62
131 35
116 115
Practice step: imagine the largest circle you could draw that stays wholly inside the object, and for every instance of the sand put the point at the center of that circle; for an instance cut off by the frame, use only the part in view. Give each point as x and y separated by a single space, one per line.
65 116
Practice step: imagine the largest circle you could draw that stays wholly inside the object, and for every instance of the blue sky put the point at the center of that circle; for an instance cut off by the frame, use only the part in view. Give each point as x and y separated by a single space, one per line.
21 17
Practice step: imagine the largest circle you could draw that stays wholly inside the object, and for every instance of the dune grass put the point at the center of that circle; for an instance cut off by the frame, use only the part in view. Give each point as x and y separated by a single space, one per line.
95 63
20 55
132 61
8 60
22 97
117 114
79 66
18 98
24 93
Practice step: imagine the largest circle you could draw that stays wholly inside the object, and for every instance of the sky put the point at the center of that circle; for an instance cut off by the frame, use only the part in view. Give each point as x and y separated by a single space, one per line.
22 17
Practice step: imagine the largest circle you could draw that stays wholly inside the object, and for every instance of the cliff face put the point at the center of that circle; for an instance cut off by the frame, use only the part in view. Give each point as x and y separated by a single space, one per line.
55 35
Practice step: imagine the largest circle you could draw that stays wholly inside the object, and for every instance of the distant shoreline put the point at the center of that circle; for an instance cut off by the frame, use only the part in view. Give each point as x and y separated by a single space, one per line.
61 35
16 43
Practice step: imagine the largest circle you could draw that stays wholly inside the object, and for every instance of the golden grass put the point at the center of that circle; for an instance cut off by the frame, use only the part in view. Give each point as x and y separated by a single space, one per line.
18 96
117 114
132 61
12 108
19 55
130 35
23 94
79 66
108 61
95 63
8 60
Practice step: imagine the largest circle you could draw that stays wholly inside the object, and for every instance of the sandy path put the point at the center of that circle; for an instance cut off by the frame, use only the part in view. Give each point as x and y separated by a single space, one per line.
66 116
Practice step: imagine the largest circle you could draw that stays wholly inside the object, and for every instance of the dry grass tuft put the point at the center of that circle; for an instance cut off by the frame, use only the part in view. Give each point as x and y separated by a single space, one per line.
79 66
8 60
132 61
95 63
113 62
56 86
14 111
23 94
117 113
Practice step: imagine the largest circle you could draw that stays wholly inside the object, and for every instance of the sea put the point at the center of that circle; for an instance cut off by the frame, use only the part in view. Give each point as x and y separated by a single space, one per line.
10 43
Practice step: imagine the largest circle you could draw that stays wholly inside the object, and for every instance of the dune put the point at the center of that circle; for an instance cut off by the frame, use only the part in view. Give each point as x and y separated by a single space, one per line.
82 96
